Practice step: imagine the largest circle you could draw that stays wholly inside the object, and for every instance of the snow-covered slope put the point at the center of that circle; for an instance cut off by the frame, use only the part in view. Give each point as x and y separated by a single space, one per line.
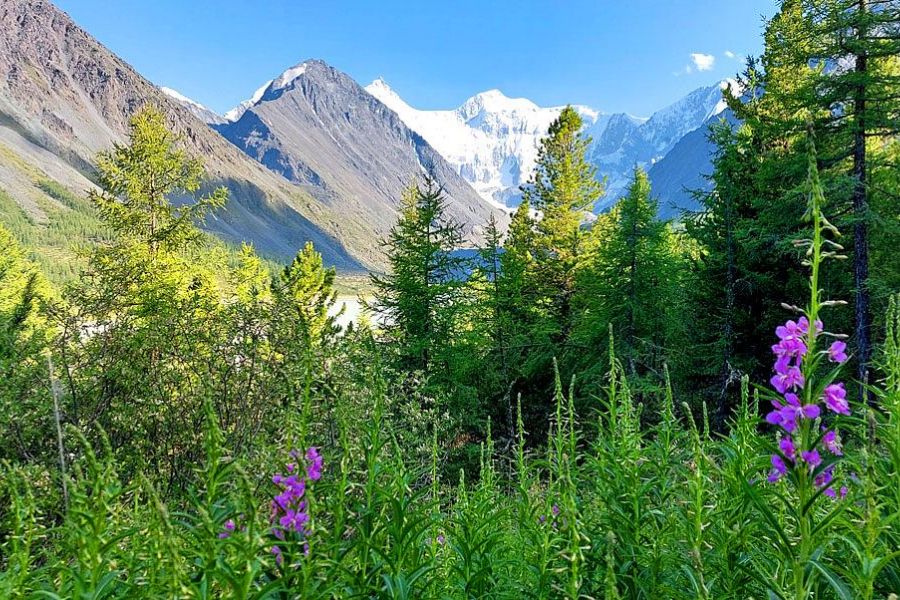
238 111
198 110
492 139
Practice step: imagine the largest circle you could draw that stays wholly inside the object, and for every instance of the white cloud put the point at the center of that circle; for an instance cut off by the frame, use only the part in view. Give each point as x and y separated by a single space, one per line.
703 62
730 54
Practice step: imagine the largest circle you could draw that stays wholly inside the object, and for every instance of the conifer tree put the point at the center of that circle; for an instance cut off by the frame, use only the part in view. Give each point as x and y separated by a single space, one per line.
251 280
834 66
25 336
138 182
563 189
730 278
491 311
145 295
305 292
632 281
417 300
517 270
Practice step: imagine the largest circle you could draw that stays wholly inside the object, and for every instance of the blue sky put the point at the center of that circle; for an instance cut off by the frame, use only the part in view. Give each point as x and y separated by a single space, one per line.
613 55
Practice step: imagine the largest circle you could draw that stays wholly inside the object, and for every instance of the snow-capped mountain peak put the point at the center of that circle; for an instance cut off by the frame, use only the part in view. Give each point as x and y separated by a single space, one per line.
286 78
238 111
495 101
381 89
289 76
180 97
492 139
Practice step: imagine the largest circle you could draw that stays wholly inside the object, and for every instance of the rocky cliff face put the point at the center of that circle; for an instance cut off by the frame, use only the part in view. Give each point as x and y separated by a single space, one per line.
317 127
686 168
64 97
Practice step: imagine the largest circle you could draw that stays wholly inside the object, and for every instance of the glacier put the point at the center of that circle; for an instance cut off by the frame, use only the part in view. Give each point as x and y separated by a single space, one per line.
492 140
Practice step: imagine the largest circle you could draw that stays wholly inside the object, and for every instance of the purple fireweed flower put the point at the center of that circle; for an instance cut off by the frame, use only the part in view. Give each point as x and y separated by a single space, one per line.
835 397
790 348
555 510
830 441
803 325
807 411
783 364
810 411
441 539
778 468
824 478
832 494
792 330
837 352
811 457
789 380
290 514
229 529
314 469
787 414
784 415
786 445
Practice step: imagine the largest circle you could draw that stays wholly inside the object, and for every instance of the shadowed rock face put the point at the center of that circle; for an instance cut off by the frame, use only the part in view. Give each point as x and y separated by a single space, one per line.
64 97
317 127
686 169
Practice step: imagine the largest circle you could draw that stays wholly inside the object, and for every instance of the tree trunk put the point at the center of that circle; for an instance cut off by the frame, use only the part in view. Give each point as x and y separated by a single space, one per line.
728 325
860 212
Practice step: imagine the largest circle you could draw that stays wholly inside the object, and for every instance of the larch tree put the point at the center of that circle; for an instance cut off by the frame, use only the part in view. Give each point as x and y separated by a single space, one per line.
631 281
833 66
563 190
416 301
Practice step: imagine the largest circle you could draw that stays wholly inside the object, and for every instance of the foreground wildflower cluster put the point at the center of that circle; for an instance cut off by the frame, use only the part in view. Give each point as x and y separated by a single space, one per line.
792 356
290 508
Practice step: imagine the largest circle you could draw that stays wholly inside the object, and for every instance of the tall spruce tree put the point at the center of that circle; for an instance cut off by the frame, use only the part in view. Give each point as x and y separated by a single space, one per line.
416 302
147 295
138 182
731 278
305 295
25 335
543 252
